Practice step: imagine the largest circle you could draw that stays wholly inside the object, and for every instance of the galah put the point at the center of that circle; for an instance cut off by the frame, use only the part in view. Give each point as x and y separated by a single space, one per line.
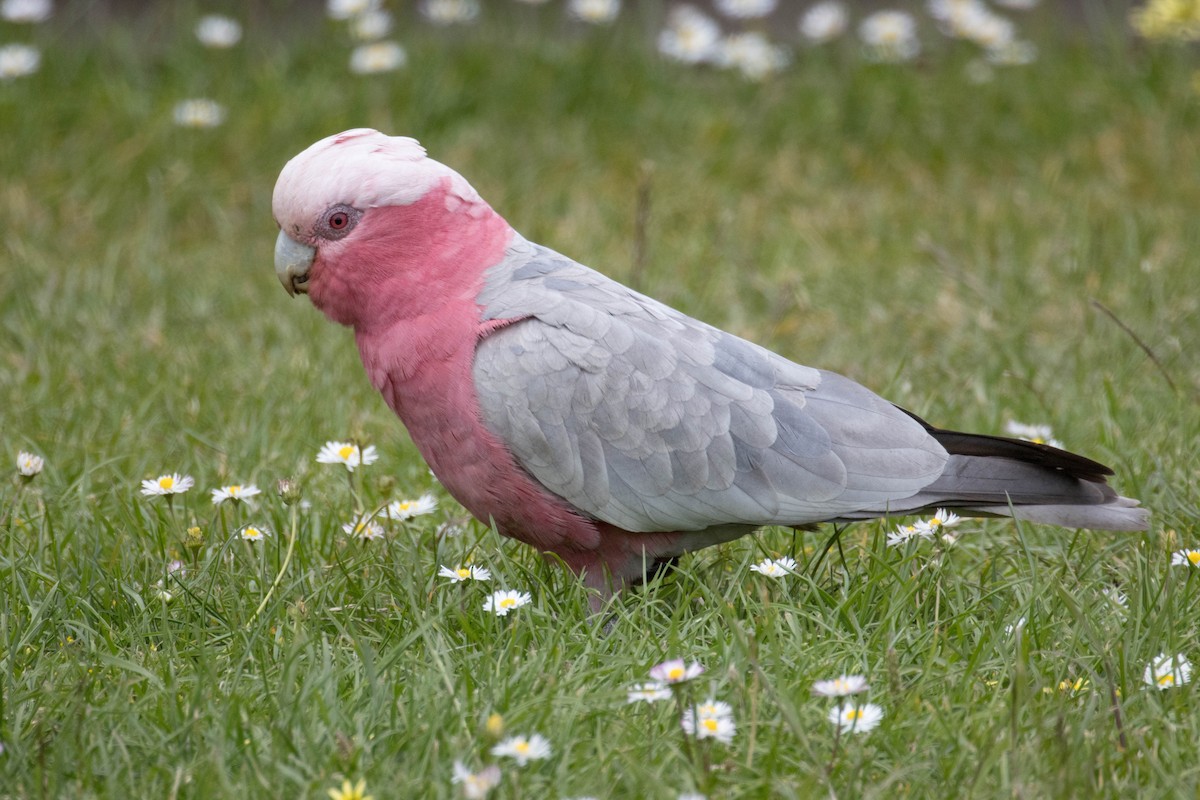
597 424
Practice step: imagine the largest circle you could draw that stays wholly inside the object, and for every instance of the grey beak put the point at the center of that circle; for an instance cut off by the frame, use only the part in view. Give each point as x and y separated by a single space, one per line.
292 262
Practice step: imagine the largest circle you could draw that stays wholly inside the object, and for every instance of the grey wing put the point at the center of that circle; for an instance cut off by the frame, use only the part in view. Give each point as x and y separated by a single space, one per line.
642 417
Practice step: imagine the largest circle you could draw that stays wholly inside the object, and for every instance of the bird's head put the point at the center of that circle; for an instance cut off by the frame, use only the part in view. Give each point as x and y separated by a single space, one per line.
359 212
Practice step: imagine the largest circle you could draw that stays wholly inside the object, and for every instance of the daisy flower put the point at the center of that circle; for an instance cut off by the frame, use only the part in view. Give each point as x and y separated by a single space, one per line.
752 54
594 12
841 686
348 9
28 464
890 36
219 32
476 785
1167 671
253 533
1186 558
17 60
401 510
505 600
773 568
371 25
1039 434
198 112
824 22
348 454
365 529
905 532
26 11
856 719
351 792
691 36
450 12
941 519
649 692
745 9
167 485
523 748
465 573
675 671
711 719
236 492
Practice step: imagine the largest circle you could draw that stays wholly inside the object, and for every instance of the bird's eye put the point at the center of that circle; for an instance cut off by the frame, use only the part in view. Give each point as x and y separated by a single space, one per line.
338 221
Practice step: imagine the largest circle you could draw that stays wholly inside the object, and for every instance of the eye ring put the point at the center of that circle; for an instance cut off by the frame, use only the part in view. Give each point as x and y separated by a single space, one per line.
338 220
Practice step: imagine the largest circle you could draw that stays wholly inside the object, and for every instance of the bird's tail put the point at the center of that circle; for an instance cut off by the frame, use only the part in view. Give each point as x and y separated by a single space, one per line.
999 476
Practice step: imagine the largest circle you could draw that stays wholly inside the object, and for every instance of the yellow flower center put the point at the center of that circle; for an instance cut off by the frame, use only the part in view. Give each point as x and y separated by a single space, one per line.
234 490
345 452
463 572
404 505
935 522
1167 680
1194 557
841 685
521 747
854 714
1038 440
253 533
710 725
508 602
166 482
674 673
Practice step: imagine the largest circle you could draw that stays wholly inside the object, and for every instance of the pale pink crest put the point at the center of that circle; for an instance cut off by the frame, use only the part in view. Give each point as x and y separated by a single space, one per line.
362 168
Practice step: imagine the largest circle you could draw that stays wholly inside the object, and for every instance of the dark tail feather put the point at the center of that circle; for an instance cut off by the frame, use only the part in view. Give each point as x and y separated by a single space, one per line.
999 476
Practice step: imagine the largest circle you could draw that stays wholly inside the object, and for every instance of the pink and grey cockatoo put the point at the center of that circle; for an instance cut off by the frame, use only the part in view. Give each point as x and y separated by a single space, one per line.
596 423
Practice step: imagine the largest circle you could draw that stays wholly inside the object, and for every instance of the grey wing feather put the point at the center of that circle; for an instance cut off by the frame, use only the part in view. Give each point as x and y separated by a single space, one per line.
647 419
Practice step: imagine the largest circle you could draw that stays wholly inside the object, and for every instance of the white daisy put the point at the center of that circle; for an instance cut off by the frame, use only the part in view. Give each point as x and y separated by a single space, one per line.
218 31
348 9
940 519
648 692
450 12
371 25
904 533
1167 671
17 60
462 573
254 533
365 529
348 454
523 748
594 12
369 59
234 492
1185 558
199 112
26 11
476 785
28 464
675 671
166 485
841 686
691 36
745 9
752 54
856 719
711 719
824 22
890 36
401 510
505 600
775 568
1041 434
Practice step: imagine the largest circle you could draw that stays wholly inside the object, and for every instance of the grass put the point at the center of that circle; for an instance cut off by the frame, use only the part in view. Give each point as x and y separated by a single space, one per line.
938 240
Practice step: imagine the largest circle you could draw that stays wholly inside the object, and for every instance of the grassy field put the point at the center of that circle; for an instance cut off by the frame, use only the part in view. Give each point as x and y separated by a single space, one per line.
938 239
